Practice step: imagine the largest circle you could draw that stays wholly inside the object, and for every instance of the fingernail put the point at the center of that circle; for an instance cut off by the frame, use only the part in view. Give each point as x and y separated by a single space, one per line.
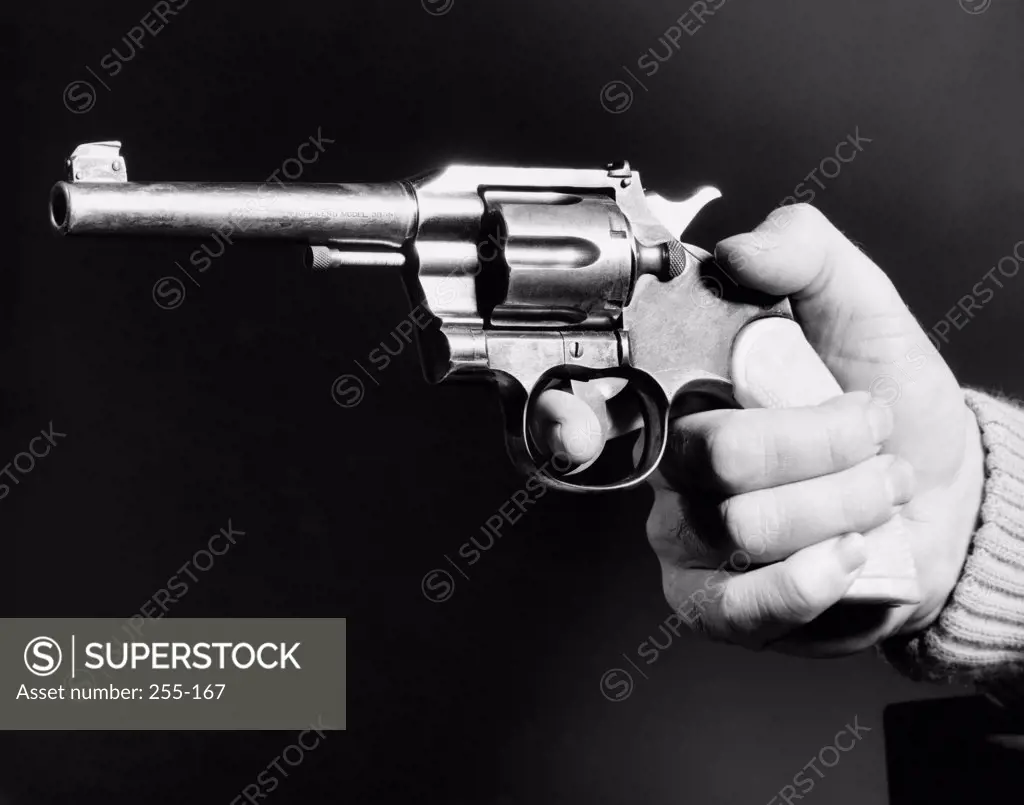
763 239
852 551
734 250
899 479
880 420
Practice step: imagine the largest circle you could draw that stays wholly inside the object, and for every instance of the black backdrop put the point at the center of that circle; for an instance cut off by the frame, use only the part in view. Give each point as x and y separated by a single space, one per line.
178 420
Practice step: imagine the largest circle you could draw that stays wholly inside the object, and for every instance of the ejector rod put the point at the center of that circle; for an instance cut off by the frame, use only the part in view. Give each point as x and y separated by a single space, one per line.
382 214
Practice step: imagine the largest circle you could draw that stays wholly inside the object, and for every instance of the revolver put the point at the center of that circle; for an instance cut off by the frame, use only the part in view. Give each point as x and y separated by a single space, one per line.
530 279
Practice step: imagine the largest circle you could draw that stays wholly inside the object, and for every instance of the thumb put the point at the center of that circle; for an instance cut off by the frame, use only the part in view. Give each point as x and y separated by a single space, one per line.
839 296
773 366
855 320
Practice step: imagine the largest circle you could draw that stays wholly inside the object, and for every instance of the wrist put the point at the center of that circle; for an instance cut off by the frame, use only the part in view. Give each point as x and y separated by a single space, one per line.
978 635
953 538
970 491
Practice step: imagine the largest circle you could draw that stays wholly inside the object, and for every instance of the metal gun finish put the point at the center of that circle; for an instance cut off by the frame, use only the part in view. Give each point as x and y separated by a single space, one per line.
533 277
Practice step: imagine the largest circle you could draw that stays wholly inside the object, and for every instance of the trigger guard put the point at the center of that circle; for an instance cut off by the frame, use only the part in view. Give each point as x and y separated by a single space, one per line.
539 462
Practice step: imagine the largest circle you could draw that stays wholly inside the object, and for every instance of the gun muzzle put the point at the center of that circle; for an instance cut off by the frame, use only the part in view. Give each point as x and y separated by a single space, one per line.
98 199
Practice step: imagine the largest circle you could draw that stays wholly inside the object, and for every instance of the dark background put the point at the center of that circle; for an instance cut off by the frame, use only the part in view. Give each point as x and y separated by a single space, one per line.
179 420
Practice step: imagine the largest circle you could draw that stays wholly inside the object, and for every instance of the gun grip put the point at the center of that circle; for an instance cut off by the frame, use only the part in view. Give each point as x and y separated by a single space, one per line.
682 326
686 329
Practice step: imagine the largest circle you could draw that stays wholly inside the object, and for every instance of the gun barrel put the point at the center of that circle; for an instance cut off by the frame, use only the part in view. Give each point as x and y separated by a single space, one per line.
383 214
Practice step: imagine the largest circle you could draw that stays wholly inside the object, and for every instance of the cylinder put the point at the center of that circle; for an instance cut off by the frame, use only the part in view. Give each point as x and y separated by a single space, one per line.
567 263
381 214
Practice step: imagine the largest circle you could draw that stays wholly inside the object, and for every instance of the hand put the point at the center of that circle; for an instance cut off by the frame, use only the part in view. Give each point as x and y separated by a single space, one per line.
794 489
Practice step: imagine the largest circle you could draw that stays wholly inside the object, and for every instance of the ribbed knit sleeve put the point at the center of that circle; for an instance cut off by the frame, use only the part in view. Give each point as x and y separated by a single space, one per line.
979 636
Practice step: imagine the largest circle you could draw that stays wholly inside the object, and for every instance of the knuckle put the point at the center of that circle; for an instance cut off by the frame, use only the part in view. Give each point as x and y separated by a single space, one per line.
864 495
798 223
736 454
731 614
775 454
859 432
802 214
744 518
857 428
846 435
795 601
739 614
840 439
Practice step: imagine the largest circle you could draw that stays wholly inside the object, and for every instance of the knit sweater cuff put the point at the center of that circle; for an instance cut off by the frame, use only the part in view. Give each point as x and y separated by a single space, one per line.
979 636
